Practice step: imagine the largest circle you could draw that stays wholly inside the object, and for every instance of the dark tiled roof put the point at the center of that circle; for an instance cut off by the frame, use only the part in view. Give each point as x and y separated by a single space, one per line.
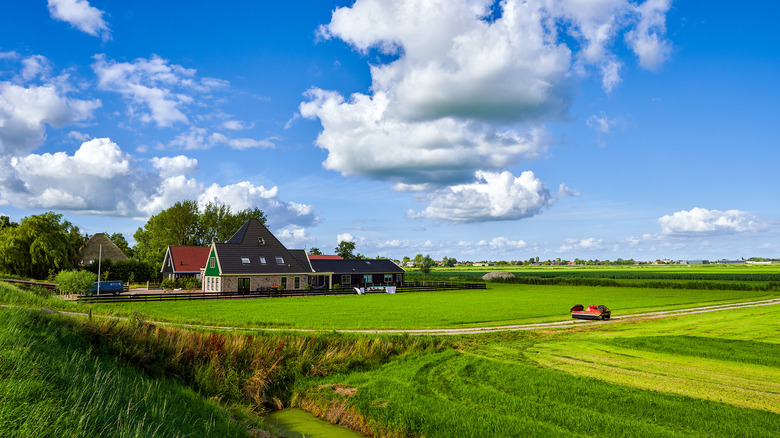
300 255
379 266
252 242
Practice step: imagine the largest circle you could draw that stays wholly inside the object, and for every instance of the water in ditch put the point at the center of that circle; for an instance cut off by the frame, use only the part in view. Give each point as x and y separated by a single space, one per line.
296 423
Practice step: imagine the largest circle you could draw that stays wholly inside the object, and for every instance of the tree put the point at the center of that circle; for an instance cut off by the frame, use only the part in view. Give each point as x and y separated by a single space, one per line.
346 250
173 226
218 223
315 251
448 262
184 224
120 241
426 264
5 222
40 245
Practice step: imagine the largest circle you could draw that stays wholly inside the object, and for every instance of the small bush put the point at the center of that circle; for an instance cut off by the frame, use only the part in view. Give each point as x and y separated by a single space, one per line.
74 282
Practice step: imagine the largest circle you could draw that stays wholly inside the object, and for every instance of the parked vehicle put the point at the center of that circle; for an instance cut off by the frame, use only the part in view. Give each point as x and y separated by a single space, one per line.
107 287
592 312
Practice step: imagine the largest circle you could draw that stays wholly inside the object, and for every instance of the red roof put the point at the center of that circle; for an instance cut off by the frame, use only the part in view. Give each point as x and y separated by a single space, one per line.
324 257
189 258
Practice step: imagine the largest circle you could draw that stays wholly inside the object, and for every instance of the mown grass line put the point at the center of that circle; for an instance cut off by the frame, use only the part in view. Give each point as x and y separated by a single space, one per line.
500 304
451 394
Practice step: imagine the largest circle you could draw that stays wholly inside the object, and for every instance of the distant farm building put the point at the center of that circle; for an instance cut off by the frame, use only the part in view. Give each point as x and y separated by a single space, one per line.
99 246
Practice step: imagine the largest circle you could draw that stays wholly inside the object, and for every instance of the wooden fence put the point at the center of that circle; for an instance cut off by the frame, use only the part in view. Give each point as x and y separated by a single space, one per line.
192 296
50 286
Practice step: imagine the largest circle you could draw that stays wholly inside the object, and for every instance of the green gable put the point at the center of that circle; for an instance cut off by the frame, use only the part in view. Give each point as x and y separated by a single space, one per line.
212 265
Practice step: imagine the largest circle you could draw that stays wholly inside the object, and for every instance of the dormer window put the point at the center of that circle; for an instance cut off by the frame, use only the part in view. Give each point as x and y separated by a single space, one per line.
279 261
245 260
262 260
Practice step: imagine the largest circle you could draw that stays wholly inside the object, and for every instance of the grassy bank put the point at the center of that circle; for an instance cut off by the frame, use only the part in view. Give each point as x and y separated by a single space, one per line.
55 383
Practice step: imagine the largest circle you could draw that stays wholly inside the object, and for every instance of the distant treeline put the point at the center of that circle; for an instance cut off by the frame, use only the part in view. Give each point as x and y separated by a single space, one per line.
615 275
654 284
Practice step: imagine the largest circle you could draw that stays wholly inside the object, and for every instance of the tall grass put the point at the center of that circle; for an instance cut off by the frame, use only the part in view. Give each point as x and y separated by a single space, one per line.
259 370
54 384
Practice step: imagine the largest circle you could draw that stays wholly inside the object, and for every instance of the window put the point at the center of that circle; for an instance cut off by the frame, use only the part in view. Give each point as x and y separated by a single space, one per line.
284 283
211 262
243 285
262 260
346 280
368 278
297 282
261 241
388 278
245 260
279 261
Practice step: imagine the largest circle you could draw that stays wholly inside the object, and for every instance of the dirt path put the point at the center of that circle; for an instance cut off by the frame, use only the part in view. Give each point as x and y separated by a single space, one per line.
478 330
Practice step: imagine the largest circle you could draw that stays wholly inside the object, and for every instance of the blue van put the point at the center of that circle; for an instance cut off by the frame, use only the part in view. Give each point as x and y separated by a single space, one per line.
107 287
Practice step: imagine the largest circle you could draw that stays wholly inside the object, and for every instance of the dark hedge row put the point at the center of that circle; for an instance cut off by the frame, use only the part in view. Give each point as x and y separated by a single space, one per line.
655 284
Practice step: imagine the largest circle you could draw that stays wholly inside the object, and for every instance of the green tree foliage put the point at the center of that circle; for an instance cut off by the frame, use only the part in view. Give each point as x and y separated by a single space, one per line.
426 264
5 222
217 223
346 250
41 244
120 241
315 251
447 262
75 282
184 224
129 271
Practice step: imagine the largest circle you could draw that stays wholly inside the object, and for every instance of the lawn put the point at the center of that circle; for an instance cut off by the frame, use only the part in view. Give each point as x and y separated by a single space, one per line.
499 304
712 374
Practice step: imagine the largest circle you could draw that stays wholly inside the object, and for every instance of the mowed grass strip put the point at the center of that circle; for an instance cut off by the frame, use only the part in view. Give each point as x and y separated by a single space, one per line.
715 359
500 304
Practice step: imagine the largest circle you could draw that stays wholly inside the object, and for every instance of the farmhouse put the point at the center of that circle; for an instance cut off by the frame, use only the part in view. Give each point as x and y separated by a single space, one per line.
355 273
253 259
184 261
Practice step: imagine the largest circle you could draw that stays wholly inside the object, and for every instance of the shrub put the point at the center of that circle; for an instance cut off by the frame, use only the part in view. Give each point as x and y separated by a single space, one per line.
74 282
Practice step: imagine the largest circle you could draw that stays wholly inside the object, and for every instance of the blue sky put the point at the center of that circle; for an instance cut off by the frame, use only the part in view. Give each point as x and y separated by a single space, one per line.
470 129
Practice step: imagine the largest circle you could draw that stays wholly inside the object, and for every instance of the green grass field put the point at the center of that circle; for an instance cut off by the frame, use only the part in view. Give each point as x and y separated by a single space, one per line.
500 304
686 376
714 374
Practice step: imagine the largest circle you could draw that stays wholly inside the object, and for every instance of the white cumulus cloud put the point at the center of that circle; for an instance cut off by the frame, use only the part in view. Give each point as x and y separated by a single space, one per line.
79 14
494 196
700 221
198 138
157 91
465 90
26 110
178 165
100 178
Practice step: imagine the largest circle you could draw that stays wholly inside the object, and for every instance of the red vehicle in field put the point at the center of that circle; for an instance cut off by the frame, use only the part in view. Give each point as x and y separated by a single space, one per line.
591 312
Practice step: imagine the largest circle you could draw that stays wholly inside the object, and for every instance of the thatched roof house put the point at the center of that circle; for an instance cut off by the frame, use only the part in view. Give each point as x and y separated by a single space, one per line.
96 245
